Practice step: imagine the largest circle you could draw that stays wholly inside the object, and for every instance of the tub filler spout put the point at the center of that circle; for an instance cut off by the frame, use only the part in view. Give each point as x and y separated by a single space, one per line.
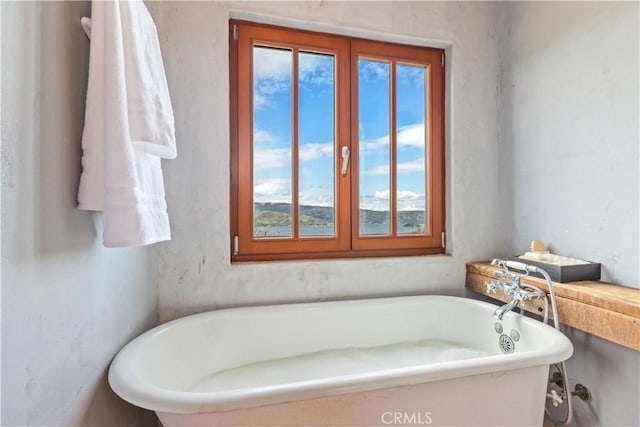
500 311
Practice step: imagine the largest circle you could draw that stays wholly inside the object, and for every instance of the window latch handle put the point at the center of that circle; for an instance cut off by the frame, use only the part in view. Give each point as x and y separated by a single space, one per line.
345 159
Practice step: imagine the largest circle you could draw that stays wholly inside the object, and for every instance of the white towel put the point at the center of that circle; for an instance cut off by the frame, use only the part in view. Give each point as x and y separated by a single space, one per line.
129 126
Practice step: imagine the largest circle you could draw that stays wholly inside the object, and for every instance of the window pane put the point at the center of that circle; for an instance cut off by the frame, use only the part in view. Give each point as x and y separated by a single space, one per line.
411 148
316 139
272 121
374 148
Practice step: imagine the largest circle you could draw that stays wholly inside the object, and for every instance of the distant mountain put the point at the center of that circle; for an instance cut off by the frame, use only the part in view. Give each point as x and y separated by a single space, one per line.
280 214
265 218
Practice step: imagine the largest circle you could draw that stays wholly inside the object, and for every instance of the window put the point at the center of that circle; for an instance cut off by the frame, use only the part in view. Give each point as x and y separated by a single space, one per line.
337 146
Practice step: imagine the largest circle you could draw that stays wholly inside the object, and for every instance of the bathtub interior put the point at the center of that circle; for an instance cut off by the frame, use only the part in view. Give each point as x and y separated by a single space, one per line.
179 355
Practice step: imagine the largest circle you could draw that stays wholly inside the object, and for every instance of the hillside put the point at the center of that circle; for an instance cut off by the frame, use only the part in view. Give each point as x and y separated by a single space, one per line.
280 214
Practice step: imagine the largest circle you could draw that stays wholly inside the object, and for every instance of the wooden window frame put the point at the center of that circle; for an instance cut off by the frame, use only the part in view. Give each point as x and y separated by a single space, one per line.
347 243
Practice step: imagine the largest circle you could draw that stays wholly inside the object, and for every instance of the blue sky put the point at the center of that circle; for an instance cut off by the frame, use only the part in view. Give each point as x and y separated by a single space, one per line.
273 130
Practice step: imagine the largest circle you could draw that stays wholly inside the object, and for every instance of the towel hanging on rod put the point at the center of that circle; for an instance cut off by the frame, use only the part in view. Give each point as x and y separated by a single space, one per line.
129 125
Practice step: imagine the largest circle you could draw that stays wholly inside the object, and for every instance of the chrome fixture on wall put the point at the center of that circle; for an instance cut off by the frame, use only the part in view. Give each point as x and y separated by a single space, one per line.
508 281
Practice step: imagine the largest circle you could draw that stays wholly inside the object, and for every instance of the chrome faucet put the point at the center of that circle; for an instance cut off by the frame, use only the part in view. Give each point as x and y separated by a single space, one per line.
509 283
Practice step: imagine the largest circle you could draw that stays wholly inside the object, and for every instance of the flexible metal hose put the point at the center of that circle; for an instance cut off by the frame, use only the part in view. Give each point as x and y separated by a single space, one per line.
563 367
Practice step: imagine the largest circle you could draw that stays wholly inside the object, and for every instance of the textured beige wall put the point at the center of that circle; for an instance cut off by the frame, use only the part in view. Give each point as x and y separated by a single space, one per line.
569 137
68 304
571 118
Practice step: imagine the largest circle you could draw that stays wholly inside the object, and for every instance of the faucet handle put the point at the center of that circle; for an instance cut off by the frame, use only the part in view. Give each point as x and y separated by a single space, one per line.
556 399
492 287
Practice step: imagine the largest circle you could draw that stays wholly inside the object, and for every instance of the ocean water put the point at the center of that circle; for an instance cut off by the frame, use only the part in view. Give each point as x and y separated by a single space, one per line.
335 363
367 229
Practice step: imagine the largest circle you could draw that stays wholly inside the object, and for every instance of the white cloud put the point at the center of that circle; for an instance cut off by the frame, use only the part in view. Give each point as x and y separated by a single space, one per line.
412 135
273 68
374 144
271 74
316 69
278 190
406 201
379 201
315 198
410 201
260 136
378 170
268 158
411 166
382 195
374 70
408 136
376 202
312 151
273 190
406 195
412 74
271 63
271 158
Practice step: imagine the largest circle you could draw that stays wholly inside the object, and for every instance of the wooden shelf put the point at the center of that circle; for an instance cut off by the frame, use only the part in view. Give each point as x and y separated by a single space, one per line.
608 311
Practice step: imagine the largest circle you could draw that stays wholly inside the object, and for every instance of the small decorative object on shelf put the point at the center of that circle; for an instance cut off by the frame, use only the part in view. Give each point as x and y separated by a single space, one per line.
561 269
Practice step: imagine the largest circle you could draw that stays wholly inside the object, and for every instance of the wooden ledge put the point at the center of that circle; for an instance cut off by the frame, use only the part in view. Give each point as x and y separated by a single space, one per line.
608 311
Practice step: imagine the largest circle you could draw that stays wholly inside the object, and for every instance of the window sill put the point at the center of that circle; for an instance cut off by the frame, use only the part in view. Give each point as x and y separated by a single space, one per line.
602 309
337 255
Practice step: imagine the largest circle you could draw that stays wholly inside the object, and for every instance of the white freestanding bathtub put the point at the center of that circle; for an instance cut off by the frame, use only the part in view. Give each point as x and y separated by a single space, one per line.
394 361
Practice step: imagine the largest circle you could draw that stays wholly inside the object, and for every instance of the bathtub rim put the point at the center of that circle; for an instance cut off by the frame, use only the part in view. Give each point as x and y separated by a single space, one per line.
127 384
